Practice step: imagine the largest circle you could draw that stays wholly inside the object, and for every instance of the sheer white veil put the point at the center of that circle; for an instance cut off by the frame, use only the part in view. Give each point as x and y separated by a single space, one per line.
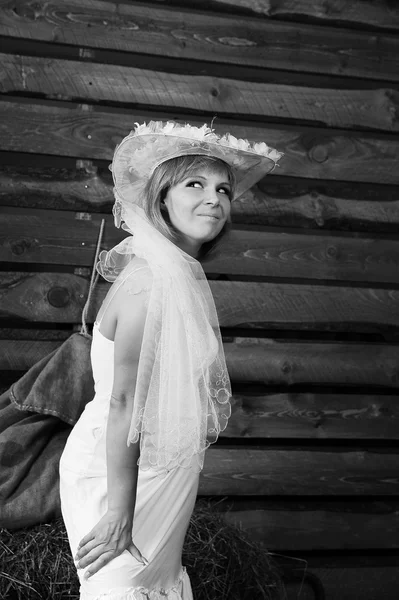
181 399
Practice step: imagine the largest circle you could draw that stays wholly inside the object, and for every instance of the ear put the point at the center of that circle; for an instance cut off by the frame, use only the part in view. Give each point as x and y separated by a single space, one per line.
163 195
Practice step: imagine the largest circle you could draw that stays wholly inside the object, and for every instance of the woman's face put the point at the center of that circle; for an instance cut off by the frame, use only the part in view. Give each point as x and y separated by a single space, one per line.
198 207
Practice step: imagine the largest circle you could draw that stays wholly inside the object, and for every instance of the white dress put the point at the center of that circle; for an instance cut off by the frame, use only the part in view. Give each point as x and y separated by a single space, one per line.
164 504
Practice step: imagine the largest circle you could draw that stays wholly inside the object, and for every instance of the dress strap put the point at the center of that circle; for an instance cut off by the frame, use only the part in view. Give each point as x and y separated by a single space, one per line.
93 282
116 287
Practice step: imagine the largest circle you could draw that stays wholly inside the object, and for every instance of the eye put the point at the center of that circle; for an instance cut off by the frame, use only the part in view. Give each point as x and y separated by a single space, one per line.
225 191
192 183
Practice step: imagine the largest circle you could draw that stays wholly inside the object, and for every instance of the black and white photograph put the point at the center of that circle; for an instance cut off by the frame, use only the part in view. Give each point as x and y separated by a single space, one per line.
199 300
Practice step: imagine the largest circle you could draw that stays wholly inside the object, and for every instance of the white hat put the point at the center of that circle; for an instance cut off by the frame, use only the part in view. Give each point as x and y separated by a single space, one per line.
148 146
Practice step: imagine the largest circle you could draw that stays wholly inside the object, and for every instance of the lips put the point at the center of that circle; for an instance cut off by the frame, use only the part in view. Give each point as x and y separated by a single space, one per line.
208 215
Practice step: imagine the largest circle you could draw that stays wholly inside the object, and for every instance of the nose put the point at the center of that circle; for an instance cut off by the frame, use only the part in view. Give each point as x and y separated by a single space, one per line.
212 198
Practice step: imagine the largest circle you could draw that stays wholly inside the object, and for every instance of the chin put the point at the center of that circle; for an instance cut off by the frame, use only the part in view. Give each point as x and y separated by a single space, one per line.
209 233
204 235
208 238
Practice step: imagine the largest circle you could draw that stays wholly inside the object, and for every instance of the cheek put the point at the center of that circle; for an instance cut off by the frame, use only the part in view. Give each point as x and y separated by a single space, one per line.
180 209
184 218
227 208
188 208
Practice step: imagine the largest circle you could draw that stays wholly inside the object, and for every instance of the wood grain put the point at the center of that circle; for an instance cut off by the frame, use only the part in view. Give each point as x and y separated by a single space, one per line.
281 253
276 201
70 131
274 363
347 582
290 415
365 109
30 184
323 525
374 13
55 237
318 415
184 34
305 306
26 296
66 238
295 471
282 202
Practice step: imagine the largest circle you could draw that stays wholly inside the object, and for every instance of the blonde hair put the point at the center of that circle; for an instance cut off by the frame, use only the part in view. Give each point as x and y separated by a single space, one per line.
170 173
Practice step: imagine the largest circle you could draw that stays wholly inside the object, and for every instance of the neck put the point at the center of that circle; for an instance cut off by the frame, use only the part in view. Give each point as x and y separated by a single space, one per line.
189 248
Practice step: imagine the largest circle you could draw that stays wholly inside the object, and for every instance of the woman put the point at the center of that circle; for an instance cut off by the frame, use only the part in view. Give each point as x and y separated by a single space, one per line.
129 472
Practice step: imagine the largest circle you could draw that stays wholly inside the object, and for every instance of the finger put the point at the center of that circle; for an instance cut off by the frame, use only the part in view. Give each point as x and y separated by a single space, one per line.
86 538
135 552
99 564
94 555
83 550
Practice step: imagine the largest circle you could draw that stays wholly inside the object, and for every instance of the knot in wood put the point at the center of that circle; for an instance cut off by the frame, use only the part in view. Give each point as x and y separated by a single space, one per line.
286 368
235 41
332 252
58 296
19 247
87 165
319 153
83 216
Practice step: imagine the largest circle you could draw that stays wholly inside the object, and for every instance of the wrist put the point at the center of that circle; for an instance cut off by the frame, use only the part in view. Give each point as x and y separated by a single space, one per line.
121 512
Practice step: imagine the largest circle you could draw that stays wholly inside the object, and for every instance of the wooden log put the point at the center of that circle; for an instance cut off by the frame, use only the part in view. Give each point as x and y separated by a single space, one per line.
292 415
285 202
366 583
153 62
318 525
80 188
56 237
59 297
276 201
294 471
321 154
186 34
374 13
311 307
366 109
310 415
275 363
60 237
280 253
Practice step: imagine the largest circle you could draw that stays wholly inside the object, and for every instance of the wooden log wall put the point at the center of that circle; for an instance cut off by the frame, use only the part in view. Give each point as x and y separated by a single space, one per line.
307 288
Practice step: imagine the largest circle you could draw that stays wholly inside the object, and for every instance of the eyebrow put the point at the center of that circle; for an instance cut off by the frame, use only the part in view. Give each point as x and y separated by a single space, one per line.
204 178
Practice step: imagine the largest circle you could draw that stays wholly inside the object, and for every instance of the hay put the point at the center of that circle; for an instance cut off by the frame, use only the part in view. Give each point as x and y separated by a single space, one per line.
223 564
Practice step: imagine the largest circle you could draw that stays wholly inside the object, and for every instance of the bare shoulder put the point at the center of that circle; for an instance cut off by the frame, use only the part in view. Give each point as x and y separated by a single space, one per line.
133 294
131 313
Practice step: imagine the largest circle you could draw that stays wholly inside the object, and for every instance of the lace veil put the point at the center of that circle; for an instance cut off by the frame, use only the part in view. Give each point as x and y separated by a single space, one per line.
181 400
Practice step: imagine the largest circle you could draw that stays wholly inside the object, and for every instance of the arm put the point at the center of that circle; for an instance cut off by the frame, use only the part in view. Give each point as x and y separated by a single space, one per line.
122 469
113 533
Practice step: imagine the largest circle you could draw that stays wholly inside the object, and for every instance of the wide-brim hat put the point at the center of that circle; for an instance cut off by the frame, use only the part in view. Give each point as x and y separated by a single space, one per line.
149 145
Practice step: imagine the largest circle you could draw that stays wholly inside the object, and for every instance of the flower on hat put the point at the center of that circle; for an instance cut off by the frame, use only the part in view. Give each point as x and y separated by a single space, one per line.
150 144
167 144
